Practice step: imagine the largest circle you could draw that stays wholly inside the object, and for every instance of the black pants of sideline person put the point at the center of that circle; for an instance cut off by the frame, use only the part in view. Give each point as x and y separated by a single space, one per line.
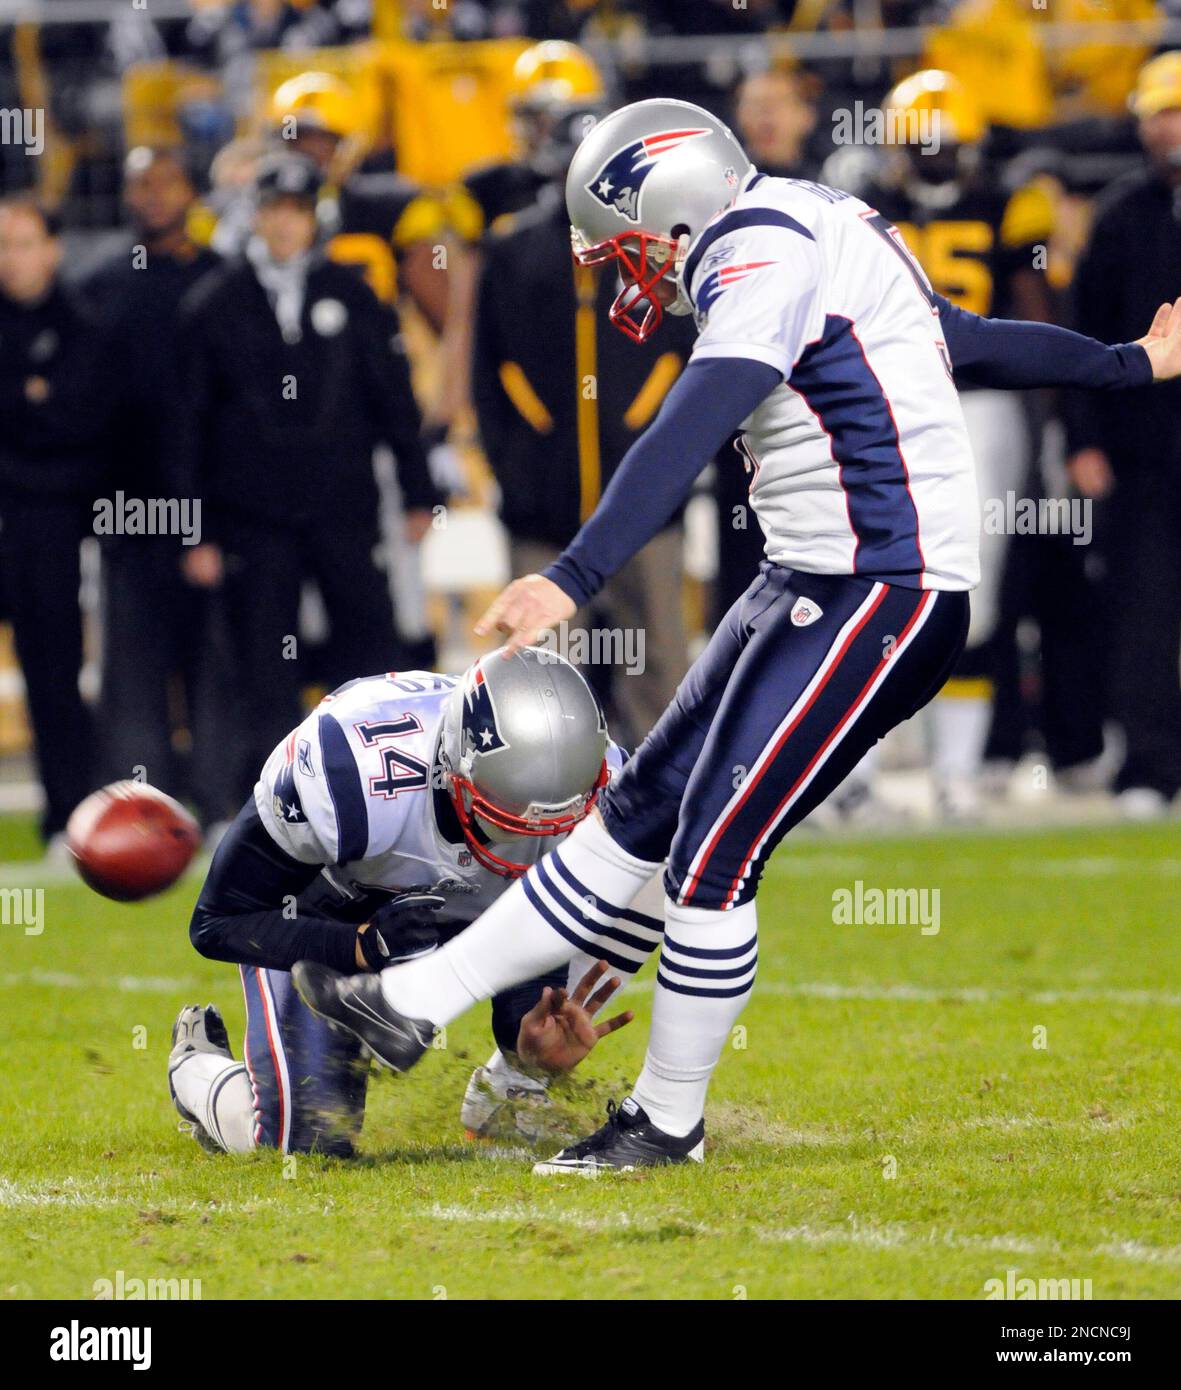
265 567
1141 622
41 572
1046 579
165 664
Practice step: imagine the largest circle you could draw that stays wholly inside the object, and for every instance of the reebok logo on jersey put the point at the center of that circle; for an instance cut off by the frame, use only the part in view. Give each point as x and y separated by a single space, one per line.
805 612
620 181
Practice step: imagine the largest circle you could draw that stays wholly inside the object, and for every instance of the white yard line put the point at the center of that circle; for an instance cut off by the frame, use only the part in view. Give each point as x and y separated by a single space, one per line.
127 984
896 1235
930 994
89 1194
804 989
788 865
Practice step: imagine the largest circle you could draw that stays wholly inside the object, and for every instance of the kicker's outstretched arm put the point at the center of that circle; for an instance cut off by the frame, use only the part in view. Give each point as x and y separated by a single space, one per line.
1013 354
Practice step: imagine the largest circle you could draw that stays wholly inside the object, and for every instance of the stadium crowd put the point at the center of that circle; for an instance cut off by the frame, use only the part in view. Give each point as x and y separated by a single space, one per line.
246 357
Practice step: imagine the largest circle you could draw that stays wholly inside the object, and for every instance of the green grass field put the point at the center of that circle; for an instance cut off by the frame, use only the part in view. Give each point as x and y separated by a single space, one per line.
891 1129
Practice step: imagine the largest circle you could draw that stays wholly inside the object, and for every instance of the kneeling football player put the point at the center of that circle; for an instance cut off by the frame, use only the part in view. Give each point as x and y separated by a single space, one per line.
400 808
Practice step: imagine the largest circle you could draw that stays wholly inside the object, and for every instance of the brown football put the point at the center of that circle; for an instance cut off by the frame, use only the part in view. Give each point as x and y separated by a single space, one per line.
130 841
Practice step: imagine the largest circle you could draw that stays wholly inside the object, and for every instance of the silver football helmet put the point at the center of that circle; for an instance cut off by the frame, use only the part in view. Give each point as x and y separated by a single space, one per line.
522 750
641 186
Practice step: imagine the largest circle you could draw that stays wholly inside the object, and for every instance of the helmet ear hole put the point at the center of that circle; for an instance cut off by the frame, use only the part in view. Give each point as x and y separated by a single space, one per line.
681 229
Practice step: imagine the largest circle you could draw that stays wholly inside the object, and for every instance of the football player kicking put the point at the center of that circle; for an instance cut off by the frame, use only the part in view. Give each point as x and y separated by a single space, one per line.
389 819
819 337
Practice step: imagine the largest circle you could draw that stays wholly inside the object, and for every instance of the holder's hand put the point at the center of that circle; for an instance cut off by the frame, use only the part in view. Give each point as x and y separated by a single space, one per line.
559 1030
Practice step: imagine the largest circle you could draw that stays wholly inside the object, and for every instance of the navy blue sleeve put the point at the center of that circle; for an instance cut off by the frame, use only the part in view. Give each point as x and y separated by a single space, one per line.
1012 354
240 914
707 404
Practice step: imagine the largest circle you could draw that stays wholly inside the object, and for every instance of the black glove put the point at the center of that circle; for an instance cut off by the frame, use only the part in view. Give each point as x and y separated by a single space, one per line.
408 925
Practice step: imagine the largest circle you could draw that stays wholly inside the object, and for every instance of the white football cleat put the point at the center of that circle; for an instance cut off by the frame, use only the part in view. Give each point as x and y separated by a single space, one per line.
198 1028
503 1103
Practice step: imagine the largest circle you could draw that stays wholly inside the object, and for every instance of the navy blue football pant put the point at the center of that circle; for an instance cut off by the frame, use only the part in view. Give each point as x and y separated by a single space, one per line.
805 673
308 1082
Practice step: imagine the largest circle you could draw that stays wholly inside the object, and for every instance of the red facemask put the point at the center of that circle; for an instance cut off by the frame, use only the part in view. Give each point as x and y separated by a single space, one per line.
635 311
470 803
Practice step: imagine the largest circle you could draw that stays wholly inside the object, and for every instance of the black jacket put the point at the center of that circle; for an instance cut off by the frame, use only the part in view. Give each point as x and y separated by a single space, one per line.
596 390
283 432
138 306
57 381
1130 267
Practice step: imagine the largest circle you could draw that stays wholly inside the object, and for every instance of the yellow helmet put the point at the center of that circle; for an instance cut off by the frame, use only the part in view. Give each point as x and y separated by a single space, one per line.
555 72
935 94
1158 87
318 101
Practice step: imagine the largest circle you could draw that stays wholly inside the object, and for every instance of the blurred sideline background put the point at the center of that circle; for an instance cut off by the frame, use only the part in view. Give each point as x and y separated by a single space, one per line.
434 85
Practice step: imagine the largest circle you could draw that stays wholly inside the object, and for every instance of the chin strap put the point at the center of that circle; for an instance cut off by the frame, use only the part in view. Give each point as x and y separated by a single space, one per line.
682 305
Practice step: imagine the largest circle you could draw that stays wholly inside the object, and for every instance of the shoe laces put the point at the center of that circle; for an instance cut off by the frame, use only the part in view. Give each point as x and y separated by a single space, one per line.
603 1136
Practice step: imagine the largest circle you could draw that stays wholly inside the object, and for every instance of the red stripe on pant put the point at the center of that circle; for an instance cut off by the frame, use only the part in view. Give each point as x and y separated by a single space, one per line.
789 795
695 877
271 1024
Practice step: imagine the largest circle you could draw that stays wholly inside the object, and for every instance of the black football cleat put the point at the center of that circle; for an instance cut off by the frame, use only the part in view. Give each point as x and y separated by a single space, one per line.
356 1004
628 1140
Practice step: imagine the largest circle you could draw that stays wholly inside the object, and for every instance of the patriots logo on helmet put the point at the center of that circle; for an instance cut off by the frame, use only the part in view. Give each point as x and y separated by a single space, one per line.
479 713
620 181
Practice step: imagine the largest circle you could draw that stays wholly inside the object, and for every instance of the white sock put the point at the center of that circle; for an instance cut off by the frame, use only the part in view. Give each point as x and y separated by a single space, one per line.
706 957
959 732
217 1091
650 903
543 920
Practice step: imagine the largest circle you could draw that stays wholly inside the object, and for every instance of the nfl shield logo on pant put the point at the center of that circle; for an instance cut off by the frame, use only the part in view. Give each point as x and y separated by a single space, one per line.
805 612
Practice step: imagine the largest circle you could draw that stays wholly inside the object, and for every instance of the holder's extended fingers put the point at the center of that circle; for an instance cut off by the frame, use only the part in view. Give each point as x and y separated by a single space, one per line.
583 988
613 1025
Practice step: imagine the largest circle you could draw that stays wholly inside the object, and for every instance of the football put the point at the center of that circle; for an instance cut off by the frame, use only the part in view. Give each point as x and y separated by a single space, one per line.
130 841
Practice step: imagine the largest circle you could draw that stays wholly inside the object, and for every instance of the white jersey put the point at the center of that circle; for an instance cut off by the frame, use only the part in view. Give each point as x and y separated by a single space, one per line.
354 788
860 458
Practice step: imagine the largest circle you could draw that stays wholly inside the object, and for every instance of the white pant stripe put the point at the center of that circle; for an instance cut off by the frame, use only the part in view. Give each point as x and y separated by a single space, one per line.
822 671
284 1080
856 712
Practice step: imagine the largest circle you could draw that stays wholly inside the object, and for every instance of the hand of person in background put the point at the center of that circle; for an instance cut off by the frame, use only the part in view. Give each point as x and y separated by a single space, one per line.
418 523
524 610
1090 472
203 565
1162 342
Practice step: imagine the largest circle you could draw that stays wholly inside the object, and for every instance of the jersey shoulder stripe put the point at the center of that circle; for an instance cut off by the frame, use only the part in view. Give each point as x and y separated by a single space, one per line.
344 787
734 221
